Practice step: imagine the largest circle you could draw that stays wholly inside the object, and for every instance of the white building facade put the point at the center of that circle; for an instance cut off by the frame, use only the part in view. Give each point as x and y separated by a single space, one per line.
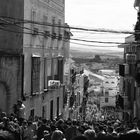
110 89
44 49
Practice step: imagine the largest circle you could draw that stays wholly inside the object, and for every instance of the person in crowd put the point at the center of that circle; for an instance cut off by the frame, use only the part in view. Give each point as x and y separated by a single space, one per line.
138 126
61 125
6 135
57 135
82 137
60 129
101 132
40 131
20 111
109 130
46 135
90 134
28 132
71 131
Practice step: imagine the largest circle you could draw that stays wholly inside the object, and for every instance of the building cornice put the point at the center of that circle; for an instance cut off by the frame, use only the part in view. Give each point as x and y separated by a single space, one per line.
53 6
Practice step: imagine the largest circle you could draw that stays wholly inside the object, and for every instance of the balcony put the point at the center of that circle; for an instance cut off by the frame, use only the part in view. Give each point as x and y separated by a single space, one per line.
60 37
56 77
46 34
131 58
53 84
53 35
35 32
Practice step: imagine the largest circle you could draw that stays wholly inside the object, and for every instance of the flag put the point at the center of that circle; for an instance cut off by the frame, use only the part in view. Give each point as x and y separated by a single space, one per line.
137 3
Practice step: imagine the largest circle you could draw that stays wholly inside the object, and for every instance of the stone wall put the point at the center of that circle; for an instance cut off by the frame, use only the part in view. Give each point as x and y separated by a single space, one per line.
10 81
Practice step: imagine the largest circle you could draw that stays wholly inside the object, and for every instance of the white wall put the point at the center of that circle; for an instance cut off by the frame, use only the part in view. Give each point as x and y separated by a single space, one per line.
110 85
36 45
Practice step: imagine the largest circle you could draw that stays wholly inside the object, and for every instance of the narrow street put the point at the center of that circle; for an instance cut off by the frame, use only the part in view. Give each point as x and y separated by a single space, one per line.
69 70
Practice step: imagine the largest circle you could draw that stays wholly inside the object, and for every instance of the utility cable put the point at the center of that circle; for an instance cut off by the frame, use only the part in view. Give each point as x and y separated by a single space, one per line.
25 21
42 33
82 44
63 38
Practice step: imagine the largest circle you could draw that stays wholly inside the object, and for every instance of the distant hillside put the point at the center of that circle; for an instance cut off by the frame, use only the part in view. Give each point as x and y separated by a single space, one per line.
104 53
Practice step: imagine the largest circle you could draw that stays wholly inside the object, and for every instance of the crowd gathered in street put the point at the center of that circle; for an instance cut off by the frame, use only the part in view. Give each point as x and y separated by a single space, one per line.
16 127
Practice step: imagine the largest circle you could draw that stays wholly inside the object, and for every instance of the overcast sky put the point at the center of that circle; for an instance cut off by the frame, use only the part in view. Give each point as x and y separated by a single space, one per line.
107 14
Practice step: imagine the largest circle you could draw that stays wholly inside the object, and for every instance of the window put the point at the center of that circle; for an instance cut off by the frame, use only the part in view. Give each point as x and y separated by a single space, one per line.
51 110
53 25
48 71
106 93
33 15
46 0
59 28
55 67
43 112
45 73
49 67
33 18
35 80
32 113
78 81
78 98
45 20
106 100
34 29
60 70
57 111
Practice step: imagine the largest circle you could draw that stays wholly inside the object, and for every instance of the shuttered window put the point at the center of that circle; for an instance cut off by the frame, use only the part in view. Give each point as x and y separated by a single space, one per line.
49 71
55 67
35 80
49 67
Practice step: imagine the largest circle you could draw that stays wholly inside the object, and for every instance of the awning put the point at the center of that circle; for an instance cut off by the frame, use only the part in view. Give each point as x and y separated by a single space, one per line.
36 55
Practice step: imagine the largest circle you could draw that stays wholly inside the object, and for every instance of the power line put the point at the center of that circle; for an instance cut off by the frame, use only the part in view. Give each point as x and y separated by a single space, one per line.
77 31
90 45
42 34
25 21
65 38
99 37
90 41
71 38
81 40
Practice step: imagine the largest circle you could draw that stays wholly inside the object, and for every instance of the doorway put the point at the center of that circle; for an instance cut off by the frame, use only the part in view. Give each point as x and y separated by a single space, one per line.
51 110
3 96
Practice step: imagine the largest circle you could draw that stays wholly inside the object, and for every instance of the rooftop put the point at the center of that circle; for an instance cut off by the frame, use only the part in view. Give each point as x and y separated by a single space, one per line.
87 72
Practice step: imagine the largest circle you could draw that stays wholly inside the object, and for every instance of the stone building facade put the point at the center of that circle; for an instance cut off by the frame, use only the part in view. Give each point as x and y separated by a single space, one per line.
37 36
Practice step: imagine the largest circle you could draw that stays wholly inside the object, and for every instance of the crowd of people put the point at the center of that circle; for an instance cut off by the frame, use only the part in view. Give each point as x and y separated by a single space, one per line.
13 127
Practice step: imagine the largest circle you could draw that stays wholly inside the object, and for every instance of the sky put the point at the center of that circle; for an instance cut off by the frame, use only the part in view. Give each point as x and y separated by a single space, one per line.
117 15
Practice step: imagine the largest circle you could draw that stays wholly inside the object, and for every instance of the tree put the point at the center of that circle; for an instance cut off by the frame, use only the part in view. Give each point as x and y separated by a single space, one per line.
97 58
